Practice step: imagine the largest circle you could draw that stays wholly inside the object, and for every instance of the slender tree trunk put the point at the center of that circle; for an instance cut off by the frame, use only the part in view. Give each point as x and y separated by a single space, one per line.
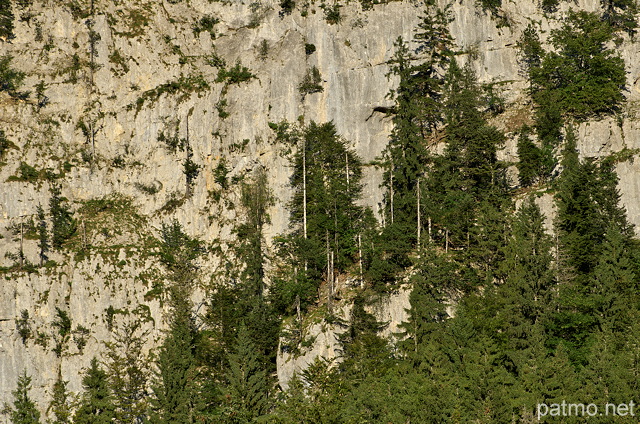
346 157
304 191
429 224
418 213
188 189
21 242
304 198
360 259
446 240
391 190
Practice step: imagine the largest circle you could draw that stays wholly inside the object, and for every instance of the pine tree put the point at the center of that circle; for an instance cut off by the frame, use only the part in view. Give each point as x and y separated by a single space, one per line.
621 14
466 189
325 218
96 403
60 402
435 275
178 253
63 226
128 370
24 410
571 78
522 302
247 387
364 352
256 199
589 220
175 390
6 19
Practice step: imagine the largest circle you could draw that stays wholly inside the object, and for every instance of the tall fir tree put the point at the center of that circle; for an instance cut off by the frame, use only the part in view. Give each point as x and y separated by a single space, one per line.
175 390
96 402
127 367
247 387
60 405
24 410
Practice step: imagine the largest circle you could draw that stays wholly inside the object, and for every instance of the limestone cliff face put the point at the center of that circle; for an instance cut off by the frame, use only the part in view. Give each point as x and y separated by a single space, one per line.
151 71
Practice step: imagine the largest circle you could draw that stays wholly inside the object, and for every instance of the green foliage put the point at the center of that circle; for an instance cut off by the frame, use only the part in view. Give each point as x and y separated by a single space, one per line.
179 253
24 410
60 402
221 107
490 5
5 144
246 386
581 78
172 142
175 386
309 49
220 174
240 291
63 226
206 23
26 173
263 50
311 82
286 7
23 325
10 79
332 13
96 404
127 368
236 75
535 164
6 20
324 216
589 224
62 323
549 6
190 169
418 112
41 98
621 14
184 86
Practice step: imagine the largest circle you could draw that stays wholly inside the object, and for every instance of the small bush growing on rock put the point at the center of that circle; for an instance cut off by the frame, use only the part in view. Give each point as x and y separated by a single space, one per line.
23 325
332 13
235 75
10 79
309 49
311 82
287 7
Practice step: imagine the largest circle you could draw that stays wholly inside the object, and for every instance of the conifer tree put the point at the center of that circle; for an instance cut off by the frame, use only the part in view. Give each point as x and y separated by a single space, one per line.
364 352
178 253
128 370
522 302
247 388
96 402
24 410
325 219
6 19
621 14
60 402
435 275
63 226
466 188
175 390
